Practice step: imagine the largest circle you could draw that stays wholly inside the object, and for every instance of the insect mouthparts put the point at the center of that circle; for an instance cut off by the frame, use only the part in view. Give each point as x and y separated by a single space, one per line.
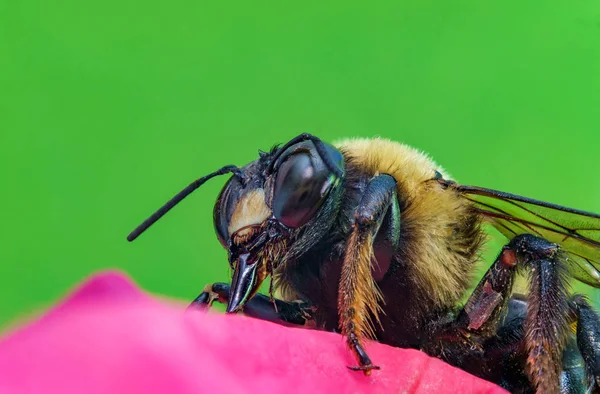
243 235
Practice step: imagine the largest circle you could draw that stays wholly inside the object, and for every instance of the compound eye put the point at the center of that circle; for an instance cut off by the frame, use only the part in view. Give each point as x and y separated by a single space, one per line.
224 208
301 185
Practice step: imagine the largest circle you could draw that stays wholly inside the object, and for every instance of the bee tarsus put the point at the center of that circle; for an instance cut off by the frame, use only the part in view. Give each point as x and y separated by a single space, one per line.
260 306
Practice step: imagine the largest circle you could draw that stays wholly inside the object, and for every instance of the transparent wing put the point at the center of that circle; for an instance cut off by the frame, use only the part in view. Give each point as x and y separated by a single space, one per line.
577 232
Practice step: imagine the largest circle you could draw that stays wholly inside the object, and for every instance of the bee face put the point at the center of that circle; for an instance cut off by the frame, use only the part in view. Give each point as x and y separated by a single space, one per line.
273 210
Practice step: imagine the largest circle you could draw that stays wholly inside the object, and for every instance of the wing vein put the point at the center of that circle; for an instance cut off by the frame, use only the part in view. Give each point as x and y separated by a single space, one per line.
577 232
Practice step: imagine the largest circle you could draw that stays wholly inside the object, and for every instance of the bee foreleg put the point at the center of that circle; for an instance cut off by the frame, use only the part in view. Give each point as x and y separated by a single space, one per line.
259 306
207 297
359 297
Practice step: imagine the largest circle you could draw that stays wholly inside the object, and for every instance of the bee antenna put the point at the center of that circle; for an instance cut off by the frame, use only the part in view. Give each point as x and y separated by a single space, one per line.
321 150
181 195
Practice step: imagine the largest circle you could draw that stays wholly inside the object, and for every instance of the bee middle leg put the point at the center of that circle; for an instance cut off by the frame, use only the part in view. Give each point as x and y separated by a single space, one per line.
549 310
358 295
260 306
505 353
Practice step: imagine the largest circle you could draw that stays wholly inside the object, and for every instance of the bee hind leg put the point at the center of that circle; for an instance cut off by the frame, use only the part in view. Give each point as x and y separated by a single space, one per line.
259 306
549 311
506 349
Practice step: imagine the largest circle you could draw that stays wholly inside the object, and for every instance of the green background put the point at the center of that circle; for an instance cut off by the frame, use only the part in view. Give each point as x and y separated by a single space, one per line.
108 108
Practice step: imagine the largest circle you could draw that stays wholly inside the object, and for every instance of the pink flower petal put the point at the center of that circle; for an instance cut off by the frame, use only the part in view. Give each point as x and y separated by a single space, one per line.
109 337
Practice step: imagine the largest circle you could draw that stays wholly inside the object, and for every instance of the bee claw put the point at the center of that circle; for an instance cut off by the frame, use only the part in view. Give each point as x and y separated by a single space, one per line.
365 368
204 301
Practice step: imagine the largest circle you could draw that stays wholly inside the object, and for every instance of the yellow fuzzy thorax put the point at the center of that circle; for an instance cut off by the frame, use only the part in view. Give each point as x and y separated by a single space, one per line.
444 243
403 162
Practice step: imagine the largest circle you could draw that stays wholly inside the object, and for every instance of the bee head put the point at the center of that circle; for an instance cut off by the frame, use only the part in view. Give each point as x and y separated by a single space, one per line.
276 209
271 210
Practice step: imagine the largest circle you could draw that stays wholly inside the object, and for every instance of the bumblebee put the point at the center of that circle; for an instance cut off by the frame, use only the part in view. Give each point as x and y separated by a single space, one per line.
372 239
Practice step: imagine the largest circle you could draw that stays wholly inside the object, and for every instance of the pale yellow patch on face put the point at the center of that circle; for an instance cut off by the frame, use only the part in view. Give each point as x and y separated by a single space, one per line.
250 210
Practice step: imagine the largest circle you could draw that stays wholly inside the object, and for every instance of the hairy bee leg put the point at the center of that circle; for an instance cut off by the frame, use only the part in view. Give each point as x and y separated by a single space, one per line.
505 348
547 321
259 306
358 295
588 340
